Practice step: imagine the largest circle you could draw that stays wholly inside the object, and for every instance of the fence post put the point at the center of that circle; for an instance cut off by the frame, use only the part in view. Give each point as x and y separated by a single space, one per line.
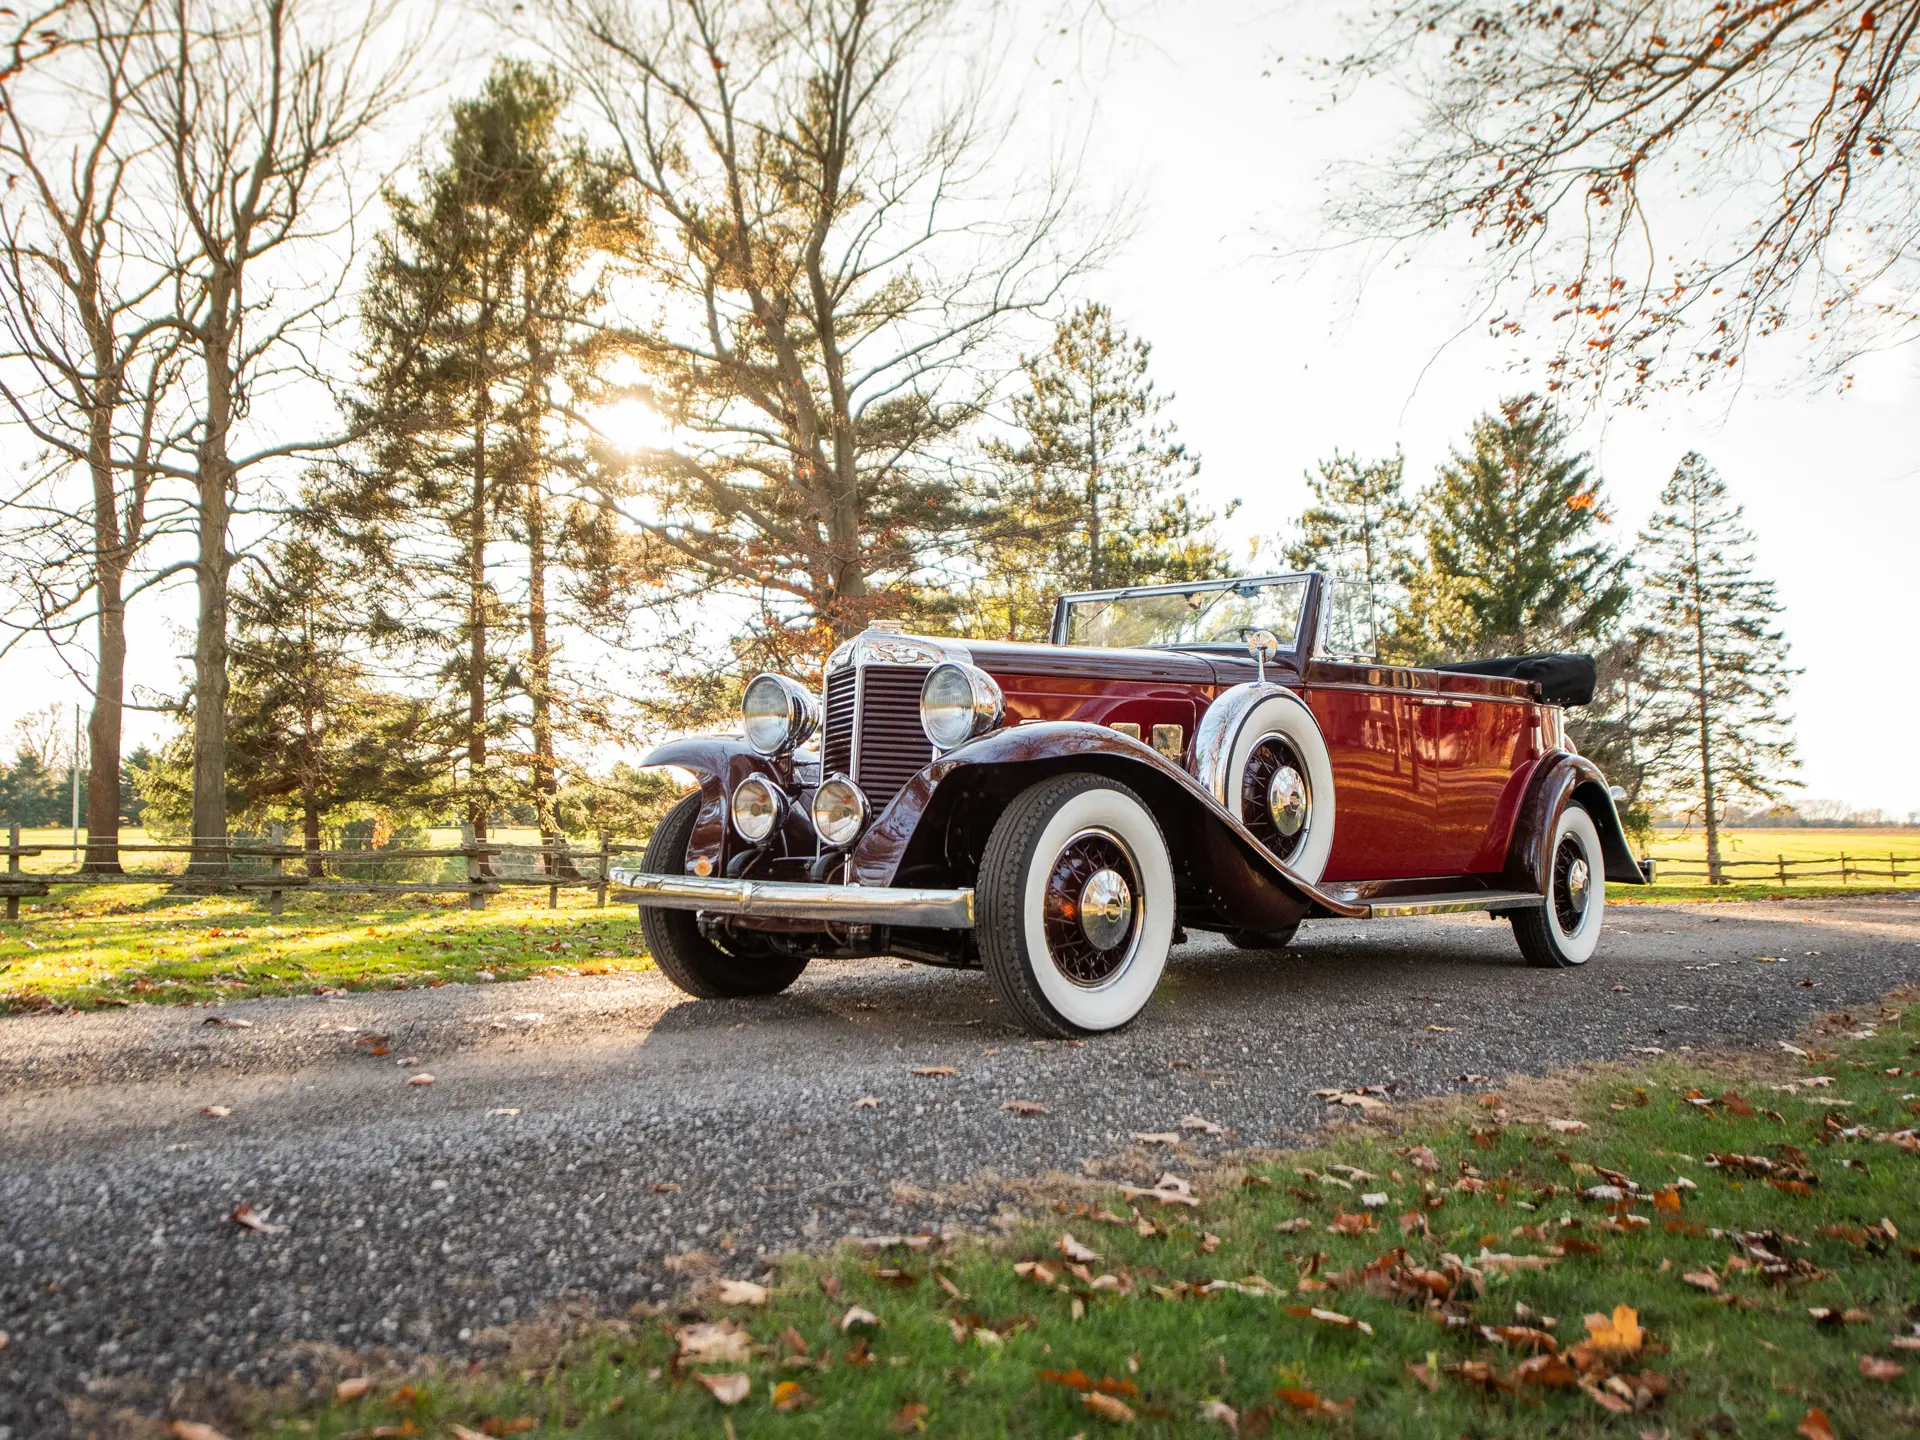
1843 869
13 868
606 855
476 899
277 838
1783 871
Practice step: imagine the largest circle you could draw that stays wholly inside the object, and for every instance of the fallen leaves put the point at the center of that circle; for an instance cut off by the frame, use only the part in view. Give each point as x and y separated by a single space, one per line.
193 1430
728 1389
867 1102
1025 1107
1703 1280
1816 1426
1169 1189
1080 1380
1329 1317
216 1112
1615 1336
352 1388
1156 1137
909 1418
248 1218
1367 1099
1074 1250
1117 1412
1201 1125
857 1318
741 1292
1311 1402
788 1397
423 1078
934 1072
1873 1367
718 1342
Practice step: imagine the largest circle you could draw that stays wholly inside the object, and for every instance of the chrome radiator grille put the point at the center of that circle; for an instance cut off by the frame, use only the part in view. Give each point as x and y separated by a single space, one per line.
871 729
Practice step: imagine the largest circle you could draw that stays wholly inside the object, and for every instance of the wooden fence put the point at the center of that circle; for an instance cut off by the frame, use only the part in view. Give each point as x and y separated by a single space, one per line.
1850 869
261 867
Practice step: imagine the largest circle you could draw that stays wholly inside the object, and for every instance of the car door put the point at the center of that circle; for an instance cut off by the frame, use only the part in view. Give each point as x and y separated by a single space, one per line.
1384 808
1481 743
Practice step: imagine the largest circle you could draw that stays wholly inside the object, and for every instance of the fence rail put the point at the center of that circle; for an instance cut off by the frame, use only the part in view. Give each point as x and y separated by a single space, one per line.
252 865
1849 868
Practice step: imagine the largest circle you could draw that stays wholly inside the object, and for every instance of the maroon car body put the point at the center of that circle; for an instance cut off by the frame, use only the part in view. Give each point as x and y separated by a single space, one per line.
1450 788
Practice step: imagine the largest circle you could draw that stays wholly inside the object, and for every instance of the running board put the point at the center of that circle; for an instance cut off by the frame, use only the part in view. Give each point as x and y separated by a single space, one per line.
1456 902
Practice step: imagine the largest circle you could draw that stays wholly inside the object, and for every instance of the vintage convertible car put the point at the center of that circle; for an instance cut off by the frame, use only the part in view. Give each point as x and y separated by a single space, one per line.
1225 756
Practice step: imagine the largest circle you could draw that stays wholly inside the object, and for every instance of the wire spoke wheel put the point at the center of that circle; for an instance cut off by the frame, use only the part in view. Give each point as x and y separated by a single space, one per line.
1572 883
1092 908
1276 796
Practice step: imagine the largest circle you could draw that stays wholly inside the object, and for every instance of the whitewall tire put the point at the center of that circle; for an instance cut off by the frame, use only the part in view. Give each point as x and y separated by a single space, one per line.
1076 906
1565 930
1280 784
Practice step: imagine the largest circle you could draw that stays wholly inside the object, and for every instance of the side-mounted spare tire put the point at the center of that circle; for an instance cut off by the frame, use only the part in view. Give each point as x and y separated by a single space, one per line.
684 955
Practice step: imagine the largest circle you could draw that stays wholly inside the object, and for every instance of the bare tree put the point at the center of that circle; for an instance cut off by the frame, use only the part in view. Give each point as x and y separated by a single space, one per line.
259 112
88 367
835 249
1661 181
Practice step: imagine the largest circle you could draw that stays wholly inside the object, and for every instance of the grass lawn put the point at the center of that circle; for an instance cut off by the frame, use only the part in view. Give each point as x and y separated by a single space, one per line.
1673 1250
112 945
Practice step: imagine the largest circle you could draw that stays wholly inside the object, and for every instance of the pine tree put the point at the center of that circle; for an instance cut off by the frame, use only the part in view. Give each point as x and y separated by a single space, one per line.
1089 496
1514 561
1360 526
483 353
308 729
1728 677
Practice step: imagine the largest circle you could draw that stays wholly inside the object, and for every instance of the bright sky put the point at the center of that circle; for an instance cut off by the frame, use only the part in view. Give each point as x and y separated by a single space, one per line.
1275 365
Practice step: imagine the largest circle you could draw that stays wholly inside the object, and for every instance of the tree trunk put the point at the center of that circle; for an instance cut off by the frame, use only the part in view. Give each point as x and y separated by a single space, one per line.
214 485
479 793
110 626
310 837
1703 713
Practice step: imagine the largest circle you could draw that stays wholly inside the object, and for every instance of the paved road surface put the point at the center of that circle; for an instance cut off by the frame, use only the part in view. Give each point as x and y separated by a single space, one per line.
418 1216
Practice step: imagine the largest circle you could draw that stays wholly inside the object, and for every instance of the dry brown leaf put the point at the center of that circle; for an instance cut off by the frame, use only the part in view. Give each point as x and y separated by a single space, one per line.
193 1430
1294 1226
1025 1107
1107 1408
1567 1127
1421 1157
1899 1342
1218 1412
1156 1137
1548 1370
1330 1317
858 1318
742 1292
1201 1125
217 1112
1074 1250
1616 1335
1703 1280
1816 1426
719 1341
353 1388
867 1102
1209 1243
727 1389
933 1072
245 1216
423 1078
1037 1271
909 1418
788 1396
1875 1368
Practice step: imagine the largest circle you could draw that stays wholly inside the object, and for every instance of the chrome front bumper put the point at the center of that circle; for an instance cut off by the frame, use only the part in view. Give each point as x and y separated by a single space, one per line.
791 900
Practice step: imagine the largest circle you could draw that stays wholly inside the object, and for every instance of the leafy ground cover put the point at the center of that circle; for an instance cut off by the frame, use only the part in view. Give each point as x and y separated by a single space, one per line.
114 945
1682 1249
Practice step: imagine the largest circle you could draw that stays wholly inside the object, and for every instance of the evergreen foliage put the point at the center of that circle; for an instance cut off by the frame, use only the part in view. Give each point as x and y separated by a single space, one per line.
1090 495
1514 560
1361 527
1726 678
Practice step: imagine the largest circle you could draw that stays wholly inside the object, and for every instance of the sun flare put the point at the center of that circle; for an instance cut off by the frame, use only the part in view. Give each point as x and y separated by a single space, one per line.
632 425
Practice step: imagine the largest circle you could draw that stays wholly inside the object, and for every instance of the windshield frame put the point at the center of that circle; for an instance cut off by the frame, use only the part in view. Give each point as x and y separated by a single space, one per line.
1303 641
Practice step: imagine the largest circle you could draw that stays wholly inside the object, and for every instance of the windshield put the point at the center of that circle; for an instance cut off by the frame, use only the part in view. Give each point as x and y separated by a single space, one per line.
1210 615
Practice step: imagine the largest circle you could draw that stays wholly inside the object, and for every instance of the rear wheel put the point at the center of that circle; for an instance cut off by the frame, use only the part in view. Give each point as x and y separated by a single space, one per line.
687 957
1263 939
1566 930
1076 906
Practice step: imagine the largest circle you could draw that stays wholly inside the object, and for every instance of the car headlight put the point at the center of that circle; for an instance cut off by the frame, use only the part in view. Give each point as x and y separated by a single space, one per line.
778 714
839 812
959 702
758 807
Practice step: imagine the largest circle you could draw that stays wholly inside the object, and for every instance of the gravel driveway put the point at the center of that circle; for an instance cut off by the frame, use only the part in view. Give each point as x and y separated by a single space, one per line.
580 1132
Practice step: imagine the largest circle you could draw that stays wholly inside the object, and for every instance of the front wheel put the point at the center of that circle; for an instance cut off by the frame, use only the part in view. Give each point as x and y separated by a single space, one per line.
1566 929
684 955
1076 906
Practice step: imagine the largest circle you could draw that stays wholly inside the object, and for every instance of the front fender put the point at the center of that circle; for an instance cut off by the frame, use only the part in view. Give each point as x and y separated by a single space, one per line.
1237 876
1559 780
718 762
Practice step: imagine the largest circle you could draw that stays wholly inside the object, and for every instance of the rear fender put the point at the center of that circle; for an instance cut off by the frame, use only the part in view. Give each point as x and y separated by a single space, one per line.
1559 780
954 801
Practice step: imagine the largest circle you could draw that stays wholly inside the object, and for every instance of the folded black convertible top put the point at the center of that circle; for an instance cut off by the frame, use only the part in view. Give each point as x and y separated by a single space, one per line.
1563 679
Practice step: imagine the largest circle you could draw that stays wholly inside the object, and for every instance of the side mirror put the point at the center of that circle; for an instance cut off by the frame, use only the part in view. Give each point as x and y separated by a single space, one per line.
1264 645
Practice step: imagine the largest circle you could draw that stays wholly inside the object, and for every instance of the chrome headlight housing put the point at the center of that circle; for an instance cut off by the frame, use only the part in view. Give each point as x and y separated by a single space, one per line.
778 714
839 812
959 701
757 808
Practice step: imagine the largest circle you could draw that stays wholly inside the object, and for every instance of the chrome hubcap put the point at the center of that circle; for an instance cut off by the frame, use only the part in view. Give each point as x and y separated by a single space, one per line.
1577 884
1287 800
1106 909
